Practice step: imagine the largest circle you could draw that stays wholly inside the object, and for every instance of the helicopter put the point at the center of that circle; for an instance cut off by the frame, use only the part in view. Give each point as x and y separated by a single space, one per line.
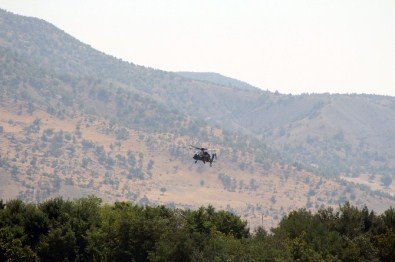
203 155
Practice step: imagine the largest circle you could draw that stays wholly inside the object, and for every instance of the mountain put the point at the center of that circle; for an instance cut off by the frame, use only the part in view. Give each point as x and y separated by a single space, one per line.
75 121
217 79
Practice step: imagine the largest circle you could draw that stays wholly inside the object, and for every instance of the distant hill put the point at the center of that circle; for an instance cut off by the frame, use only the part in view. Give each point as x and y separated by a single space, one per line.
217 79
76 121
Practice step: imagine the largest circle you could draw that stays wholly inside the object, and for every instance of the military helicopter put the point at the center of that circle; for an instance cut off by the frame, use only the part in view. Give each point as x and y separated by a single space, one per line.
203 155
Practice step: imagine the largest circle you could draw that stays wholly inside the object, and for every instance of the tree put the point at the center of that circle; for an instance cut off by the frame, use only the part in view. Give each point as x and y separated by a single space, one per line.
350 223
385 244
59 245
35 224
84 216
388 218
34 126
83 229
12 249
386 181
122 134
207 220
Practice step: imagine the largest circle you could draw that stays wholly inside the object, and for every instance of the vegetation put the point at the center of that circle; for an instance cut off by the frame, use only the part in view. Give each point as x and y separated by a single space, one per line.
329 134
85 229
123 112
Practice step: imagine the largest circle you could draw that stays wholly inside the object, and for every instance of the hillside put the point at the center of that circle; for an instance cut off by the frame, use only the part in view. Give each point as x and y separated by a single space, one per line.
75 121
217 79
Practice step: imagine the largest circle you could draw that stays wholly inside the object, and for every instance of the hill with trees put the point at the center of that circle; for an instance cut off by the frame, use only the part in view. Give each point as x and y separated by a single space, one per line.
75 121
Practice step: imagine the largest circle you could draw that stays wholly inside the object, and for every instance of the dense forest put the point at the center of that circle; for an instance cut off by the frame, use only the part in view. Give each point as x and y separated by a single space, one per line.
85 229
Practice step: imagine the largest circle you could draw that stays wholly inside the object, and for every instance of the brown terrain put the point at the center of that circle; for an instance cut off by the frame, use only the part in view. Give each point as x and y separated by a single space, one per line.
259 196
75 122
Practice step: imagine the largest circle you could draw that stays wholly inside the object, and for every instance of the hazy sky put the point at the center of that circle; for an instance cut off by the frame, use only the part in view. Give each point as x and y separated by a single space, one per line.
293 46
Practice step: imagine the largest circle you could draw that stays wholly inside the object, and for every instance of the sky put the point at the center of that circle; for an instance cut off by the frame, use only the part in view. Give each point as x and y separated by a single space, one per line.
289 46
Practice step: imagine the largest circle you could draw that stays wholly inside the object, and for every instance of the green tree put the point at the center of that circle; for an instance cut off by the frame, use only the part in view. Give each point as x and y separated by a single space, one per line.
35 224
388 218
59 245
58 211
12 249
385 244
85 214
207 220
350 222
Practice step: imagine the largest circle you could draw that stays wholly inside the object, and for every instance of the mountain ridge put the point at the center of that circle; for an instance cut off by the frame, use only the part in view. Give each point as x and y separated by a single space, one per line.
71 103
217 78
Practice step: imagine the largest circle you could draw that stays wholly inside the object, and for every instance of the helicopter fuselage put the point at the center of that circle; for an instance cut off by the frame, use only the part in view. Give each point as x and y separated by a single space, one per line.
205 157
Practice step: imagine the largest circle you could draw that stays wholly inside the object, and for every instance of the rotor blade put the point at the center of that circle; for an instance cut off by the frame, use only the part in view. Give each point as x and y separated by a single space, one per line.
200 148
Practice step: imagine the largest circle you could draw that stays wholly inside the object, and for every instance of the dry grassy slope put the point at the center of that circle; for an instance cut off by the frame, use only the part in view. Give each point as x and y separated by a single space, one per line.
358 119
44 63
259 196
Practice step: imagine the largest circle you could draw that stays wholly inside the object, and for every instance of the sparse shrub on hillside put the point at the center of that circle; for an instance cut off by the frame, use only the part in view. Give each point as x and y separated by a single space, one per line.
141 158
31 108
33 162
67 136
86 144
386 180
229 183
59 137
311 192
85 162
241 185
136 173
131 158
56 145
34 127
150 166
104 95
253 185
102 158
99 151
339 136
281 132
51 110
67 98
14 170
121 160
122 134
273 199
78 129
110 163
243 166
49 132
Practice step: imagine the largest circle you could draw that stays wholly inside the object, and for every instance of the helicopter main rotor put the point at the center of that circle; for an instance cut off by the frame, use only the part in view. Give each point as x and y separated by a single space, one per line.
201 148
